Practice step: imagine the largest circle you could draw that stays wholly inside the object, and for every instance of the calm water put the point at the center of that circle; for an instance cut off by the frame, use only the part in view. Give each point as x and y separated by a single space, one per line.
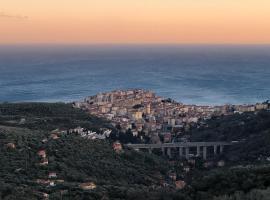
190 74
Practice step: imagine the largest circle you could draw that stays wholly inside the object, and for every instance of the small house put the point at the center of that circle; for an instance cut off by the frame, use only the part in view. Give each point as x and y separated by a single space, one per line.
172 176
44 162
42 153
44 140
88 186
42 181
11 145
117 146
52 184
186 168
52 175
54 136
45 195
221 163
179 185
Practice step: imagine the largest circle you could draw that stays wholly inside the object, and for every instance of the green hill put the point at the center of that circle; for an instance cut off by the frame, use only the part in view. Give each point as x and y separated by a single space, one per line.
249 131
73 161
48 116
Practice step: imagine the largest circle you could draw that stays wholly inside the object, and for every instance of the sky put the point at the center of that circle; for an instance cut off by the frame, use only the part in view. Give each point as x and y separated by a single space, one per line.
135 21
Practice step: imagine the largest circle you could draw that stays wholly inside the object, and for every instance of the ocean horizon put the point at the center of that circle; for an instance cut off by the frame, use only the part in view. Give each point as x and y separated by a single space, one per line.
191 74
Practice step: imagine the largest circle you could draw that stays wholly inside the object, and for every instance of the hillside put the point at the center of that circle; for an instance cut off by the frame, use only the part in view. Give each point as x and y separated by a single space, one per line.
74 159
35 163
250 132
48 116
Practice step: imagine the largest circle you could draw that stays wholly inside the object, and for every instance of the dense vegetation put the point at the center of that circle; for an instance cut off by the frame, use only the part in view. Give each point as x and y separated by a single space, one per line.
252 195
126 175
47 116
232 180
249 131
75 160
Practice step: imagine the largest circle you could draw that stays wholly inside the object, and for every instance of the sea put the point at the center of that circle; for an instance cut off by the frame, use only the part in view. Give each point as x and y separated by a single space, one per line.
191 74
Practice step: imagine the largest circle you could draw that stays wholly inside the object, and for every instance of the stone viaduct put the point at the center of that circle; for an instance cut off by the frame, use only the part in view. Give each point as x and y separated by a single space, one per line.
183 148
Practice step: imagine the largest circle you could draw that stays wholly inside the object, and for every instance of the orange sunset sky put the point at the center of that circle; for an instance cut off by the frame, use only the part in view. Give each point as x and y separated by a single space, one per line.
134 21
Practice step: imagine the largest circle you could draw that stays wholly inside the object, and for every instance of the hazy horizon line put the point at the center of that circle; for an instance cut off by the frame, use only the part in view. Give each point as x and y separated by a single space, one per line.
131 44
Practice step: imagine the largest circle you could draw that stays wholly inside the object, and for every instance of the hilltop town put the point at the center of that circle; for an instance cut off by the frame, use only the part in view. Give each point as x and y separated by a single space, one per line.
139 110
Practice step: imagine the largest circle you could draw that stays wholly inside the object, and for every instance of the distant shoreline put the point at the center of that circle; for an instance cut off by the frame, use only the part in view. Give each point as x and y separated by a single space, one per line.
72 101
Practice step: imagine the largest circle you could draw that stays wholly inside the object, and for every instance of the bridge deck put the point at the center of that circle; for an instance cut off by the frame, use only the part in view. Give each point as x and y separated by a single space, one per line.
175 145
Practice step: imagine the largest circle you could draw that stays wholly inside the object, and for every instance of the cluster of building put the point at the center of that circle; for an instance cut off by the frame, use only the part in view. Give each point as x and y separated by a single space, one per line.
91 135
52 179
82 132
140 110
